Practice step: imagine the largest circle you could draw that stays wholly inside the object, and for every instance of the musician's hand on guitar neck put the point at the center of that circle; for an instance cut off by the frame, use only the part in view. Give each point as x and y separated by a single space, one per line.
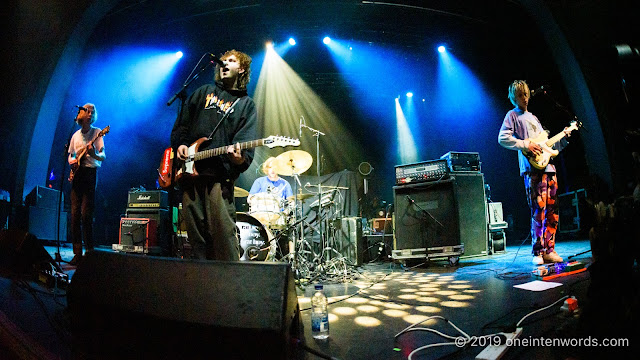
182 152
534 148
567 131
235 154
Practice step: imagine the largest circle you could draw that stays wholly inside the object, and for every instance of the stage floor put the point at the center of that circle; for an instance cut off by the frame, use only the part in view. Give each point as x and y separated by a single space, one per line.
369 305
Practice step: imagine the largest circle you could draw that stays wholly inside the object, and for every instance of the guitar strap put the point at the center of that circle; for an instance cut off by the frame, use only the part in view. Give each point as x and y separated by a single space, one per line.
226 114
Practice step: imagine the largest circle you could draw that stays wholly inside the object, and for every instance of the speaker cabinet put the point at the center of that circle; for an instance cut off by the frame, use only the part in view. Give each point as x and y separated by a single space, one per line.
42 223
138 235
163 224
348 238
44 197
442 214
134 306
472 212
425 216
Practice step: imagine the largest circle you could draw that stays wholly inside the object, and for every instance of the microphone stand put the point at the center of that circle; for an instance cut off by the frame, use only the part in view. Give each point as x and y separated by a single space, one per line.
317 134
60 206
181 93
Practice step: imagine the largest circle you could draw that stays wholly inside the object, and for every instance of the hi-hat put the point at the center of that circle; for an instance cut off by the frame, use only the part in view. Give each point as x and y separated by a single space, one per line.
292 162
239 192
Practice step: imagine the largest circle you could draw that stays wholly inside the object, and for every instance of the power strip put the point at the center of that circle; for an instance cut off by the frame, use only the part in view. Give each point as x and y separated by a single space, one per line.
494 352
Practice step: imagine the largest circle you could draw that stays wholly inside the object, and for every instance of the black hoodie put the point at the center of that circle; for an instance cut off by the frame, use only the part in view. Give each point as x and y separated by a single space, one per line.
201 113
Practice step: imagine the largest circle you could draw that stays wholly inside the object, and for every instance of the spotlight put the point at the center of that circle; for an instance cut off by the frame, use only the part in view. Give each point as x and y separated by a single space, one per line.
292 41
422 100
326 40
409 94
269 45
179 54
441 49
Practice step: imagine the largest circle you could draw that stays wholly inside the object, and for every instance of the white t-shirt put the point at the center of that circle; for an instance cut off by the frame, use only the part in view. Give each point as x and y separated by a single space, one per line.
80 140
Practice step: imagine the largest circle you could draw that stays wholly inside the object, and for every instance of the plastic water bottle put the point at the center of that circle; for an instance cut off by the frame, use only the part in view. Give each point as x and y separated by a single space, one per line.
319 314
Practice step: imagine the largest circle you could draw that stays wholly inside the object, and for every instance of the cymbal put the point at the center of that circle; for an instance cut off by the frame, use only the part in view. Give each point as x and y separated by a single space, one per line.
239 192
299 197
293 162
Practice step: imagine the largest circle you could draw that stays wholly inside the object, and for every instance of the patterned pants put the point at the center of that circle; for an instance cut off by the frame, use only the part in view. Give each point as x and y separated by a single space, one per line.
542 197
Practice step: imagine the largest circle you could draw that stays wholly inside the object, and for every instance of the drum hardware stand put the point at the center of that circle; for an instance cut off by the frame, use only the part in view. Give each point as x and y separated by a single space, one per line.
317 134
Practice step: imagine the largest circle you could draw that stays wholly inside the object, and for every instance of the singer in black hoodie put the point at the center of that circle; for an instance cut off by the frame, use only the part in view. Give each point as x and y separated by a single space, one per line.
224 113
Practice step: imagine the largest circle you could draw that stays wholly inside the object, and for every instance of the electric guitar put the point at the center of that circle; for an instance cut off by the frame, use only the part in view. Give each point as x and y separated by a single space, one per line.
541 161
187 168
80 154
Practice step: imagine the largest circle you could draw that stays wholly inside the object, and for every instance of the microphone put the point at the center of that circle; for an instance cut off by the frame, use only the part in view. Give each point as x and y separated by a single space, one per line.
217 61
537 91
81 107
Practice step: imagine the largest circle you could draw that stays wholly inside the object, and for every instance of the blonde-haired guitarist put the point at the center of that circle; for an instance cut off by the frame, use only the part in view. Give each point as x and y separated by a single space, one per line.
520 131
86 154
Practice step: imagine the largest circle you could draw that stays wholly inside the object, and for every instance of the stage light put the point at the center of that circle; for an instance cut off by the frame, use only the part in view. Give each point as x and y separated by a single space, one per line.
282 94
441 49
422 100
326 40
292 41
179 54
269 45
409 94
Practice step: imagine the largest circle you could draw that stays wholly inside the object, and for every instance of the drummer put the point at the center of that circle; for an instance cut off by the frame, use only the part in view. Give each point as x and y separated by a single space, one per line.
271 183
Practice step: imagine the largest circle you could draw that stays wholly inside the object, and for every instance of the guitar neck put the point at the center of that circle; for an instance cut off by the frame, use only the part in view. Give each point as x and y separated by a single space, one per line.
205 154
555 139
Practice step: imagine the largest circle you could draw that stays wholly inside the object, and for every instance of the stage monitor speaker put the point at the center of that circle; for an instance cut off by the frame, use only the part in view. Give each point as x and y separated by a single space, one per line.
42 223
163 221
134 306
22 253
348 239
425 216
472 212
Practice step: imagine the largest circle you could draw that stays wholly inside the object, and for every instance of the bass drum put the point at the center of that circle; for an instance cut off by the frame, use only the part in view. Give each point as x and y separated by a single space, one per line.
256 240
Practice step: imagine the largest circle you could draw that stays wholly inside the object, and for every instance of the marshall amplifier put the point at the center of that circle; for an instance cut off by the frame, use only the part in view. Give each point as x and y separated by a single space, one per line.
433 170
157 199
137 235
462 161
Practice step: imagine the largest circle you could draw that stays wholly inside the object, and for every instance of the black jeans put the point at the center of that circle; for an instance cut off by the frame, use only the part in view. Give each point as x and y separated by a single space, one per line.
83 193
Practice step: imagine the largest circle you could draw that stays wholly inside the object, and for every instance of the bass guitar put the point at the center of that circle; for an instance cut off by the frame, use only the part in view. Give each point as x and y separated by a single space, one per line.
80 154
548 152
169 174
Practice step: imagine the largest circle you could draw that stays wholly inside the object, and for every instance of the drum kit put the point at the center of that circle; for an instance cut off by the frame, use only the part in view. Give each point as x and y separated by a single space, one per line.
274 228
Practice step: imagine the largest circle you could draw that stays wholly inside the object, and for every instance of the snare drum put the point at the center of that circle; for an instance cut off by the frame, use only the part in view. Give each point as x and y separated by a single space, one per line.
256 240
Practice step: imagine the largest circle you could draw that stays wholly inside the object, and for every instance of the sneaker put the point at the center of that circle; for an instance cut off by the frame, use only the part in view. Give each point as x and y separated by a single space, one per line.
552 257
537 260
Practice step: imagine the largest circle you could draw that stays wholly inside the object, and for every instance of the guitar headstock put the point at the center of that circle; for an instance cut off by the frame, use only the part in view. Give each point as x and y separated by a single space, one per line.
275 140
104 131
574 125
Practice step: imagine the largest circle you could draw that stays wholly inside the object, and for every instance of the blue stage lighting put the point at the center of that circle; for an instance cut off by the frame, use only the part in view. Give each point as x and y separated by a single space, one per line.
409 94
179 54
292 41
441 49
326 40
